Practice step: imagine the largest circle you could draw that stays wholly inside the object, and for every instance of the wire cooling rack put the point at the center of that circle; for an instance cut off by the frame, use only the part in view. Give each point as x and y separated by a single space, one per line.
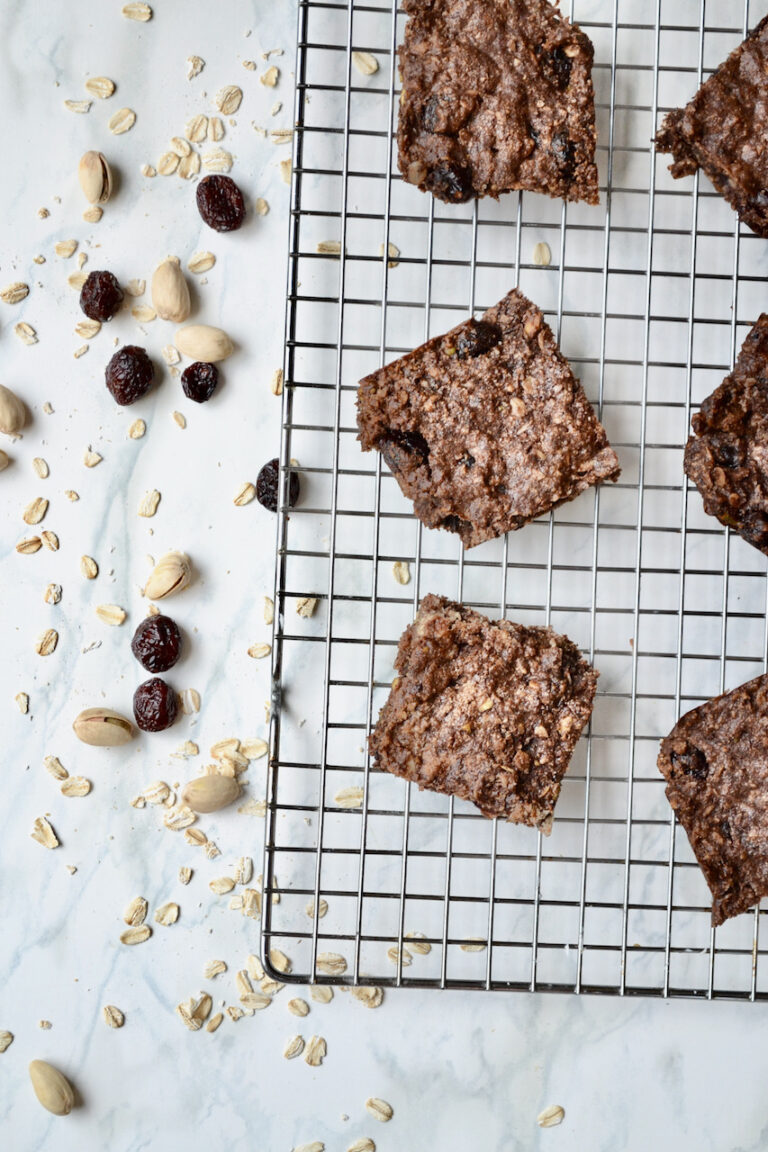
650 294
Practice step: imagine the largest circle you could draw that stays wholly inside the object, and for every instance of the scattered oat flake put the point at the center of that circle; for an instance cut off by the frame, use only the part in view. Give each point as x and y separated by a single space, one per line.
81 351
331 964
315 1146
474 944
180 817
214 1022
321 993
167 913
181 146
45 1025
259 651
215 129
217 160
93 214
285 171
29 546
91 458
329 247
281 135
245 494
253 808
87 329
305 606
315 1052
276 383
400 955
298 1007
197 128
35 511
214 968
171 355
26 333
188 748
122 121
294 1047
180 419
254 748
149 503
221 885
349 797
137 430
228 99
136 935
148 170
55 767
322 908
80 106
52 594
551 1116
14 293
71 495
113 1017
542 255
189 166
394 254
136 287
6 1039
190 701
379 1109
76 786
111 614
258 1001
89 567
136 11
168 163
65 248
279 960
143 313
22 702
48 408
365 63
136 912
76 280
370 995
365 1144
201 262
186 1011
417 942
44 834
195 65
261 206
46 642
276 107
185 874
270 76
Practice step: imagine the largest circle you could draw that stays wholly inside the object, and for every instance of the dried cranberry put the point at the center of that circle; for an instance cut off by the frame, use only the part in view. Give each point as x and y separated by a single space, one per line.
401 448
101 296
199 381
154 705
450 183
477 337
268 486
565 154
129 374
558 63
691 761
220 203
156 643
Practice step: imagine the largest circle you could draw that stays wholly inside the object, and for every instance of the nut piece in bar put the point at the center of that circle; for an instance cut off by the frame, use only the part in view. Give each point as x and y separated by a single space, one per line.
727 456
485 428
488 711
715 762
723 128
496 97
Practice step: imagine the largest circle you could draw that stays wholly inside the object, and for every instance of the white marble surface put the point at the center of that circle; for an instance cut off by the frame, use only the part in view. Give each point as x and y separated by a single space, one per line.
461 1071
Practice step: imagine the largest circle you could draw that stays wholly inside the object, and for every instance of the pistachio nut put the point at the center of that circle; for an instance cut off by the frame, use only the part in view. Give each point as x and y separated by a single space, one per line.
210 793
170 292
171 574
52 1088
203 342
95 177
13 414
4 461
102 727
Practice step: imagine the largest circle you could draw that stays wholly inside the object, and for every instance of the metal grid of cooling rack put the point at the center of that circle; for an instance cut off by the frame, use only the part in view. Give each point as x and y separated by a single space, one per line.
650 295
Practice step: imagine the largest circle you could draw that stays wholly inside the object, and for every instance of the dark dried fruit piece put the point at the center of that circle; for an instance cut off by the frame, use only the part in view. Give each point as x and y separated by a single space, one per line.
154 705
129 374
398 447
692 762
558 63
450 183
477 337
220 203
268 486
101 296
156 643
199 381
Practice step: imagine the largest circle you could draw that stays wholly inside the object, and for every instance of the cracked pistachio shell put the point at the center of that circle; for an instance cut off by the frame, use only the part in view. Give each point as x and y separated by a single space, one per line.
210 793
52 1088
13 414
102 727
170 575
95 177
